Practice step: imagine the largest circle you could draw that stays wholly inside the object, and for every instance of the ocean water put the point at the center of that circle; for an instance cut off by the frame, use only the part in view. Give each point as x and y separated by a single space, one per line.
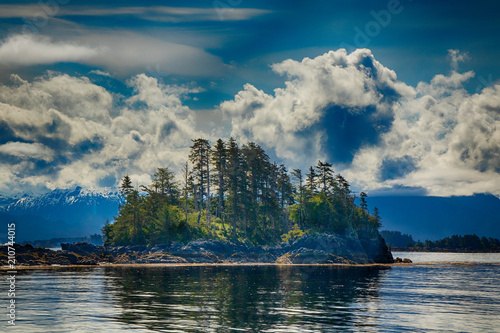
441 293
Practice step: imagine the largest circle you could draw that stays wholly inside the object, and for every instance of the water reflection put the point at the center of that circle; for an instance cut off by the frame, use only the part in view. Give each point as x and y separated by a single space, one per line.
248 298
421 298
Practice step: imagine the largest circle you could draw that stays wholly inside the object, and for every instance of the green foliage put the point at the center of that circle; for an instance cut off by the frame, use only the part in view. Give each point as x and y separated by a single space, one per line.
462 243
465 243
107 232
293 234
236 193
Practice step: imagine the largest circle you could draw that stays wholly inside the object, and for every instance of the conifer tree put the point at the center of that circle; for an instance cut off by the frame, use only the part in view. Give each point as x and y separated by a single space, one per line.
311 181
234 179
200 157
219 163
253 193
126 186
297 173
185 174
325 174
377 218
165 185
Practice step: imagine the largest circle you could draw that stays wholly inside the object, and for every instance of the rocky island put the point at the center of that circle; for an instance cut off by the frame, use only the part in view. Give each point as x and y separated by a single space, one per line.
232 206
309 249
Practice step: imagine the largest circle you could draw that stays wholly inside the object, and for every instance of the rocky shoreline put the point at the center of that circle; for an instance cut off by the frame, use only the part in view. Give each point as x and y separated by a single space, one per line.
368 248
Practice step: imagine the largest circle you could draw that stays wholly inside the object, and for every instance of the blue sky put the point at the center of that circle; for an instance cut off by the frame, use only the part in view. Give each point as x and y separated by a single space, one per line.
90 91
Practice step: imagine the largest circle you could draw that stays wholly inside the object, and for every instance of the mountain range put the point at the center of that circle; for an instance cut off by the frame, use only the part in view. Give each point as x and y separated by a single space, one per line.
59 213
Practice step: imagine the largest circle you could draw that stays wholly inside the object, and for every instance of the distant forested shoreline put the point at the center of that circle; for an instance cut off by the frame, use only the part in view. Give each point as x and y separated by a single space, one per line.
398 241
228 192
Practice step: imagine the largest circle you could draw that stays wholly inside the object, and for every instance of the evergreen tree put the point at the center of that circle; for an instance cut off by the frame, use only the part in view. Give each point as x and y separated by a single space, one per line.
256 167
285 189
185 173
311 181
107 233
377 218
200 157
165 185
234 180
219 163
325 174
255 194
297 173
126 186
362 201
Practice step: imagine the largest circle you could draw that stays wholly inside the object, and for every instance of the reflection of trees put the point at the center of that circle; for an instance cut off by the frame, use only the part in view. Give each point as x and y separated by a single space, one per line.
329 297
254 298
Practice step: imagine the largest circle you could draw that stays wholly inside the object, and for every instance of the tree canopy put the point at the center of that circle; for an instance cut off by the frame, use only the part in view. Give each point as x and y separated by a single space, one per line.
233 192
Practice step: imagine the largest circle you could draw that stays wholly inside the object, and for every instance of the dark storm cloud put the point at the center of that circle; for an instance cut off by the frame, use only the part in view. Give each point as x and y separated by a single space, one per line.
348 130
396 168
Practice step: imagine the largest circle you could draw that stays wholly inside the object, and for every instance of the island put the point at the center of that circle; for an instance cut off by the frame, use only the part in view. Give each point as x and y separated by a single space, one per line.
232 204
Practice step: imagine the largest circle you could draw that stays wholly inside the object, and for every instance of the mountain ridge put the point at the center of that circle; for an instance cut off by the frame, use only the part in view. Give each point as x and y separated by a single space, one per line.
433 218
60 213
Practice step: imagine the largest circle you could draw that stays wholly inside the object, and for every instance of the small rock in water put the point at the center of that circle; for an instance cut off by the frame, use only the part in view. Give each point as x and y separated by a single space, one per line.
398 260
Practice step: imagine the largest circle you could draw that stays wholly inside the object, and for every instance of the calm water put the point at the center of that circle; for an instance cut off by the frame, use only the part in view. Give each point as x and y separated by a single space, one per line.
439 297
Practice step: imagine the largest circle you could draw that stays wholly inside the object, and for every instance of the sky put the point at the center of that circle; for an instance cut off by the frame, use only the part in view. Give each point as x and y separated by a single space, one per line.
402 97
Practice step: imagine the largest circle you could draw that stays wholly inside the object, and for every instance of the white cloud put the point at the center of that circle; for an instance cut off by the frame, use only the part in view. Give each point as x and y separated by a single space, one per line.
353 81
27 150
155 95
73 97
153 13
63 130
36 50
67 123
450 137
126 53
99 72
456 57
436 136
122 53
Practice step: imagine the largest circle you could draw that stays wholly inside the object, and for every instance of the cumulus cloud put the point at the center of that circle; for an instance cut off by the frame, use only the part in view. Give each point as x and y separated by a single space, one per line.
435 138
379 132
443 139
59 131
317 111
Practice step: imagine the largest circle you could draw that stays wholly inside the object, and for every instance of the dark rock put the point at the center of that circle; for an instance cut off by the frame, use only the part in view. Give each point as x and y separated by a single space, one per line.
375 247
82 248
398 260
365 247
362 246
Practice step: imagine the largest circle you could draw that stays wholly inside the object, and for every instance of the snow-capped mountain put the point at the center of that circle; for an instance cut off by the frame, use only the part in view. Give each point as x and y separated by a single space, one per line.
5 201
60 213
